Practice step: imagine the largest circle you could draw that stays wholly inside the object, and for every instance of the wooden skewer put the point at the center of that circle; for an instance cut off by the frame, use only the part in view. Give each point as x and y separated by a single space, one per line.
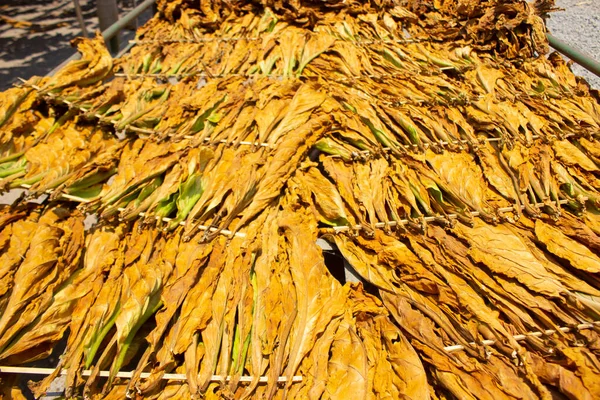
519 338
70 104
264 379
63 195
390 103
198 40
142 214
237 39
151 132
336 229
203 74
454 142
395 103
144 375
442 218
200 227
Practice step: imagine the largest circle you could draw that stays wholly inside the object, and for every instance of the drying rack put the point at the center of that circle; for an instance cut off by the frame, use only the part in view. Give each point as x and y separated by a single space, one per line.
351 275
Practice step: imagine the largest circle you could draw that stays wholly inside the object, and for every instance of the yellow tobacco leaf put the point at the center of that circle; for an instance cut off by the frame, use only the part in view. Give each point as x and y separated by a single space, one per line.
460 172
488 76
319 296
505 253
468 298
19 235
395 369
274 303
571 155
218 328
10 102
587 367
315 366
348 365
562 378
495 174
366 263
592 220
192 317
314 47
308 98
95 64
43 269
591 148
283 161
103 256
342 175
328 201
559 244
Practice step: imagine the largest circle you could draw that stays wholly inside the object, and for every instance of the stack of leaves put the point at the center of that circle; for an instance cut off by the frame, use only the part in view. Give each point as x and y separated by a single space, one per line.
454 166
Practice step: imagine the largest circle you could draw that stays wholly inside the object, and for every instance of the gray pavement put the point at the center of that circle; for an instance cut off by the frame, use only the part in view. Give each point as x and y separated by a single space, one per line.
23 52
28 52
579 25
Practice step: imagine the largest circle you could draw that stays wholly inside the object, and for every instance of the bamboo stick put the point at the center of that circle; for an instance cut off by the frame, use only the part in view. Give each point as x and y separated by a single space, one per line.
366 153
144 375
440 218
394 103
202 74
200 227
335 229
236 39
520 338
142 214
264 379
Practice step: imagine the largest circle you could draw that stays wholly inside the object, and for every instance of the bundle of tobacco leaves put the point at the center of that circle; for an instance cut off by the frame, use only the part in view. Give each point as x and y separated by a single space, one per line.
452 163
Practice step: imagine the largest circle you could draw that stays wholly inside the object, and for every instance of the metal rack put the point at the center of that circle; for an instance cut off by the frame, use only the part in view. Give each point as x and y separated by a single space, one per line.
112 30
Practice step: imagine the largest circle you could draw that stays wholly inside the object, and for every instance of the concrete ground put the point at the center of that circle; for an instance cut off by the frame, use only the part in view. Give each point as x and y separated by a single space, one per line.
579 25
28 52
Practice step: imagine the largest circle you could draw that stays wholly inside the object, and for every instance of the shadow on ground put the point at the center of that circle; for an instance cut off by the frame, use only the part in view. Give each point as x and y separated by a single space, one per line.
36 51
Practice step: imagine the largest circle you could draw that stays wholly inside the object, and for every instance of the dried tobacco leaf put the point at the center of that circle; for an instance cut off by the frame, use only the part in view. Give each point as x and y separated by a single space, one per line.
559 244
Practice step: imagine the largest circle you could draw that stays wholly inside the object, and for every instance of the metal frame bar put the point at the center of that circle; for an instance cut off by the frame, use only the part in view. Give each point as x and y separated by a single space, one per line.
577 56
80 19
112 30
115 28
